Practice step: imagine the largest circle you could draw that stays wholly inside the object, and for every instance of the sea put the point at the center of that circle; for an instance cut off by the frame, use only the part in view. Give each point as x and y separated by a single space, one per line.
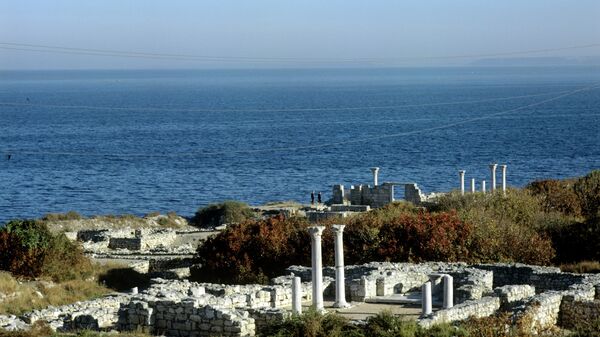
135 142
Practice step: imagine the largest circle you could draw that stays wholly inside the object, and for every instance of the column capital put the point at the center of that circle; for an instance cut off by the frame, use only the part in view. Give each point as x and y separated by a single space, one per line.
338 228
374 169
461 171
503 166
316 230
493 166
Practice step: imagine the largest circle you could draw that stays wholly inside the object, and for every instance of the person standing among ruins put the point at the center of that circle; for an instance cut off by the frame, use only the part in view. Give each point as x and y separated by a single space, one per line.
319 198
312 197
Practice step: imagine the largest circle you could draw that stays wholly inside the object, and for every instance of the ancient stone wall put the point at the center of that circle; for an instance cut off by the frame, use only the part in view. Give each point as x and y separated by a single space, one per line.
540 312
486 306
338 194
573 311
189 317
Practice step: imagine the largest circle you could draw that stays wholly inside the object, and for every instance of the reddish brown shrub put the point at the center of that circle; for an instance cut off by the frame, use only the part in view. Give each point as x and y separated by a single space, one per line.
425 237
28 249
253 251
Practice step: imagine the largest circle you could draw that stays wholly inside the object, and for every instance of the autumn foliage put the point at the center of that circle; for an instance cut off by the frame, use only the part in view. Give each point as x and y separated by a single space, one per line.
28 249
254 251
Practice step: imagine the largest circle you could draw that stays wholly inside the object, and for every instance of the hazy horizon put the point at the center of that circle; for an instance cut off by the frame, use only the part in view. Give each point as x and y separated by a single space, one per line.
307 34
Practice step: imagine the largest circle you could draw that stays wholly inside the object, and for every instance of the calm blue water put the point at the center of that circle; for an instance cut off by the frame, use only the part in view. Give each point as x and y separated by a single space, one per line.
171 143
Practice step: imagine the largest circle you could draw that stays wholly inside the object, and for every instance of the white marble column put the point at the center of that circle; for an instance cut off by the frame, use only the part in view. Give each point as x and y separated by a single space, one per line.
426 300
340 285
316 233
503 167
493 172
472 185
448 292
461 174
375 171
296 296
483 186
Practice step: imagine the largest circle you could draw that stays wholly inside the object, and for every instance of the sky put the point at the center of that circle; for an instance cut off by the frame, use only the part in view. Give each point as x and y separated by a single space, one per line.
291 33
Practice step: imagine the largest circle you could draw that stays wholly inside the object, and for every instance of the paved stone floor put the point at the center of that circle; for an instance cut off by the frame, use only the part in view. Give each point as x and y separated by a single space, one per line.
362 310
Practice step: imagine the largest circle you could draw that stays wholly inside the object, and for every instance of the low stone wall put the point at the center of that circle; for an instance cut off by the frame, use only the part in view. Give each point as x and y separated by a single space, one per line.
12 323
573 311
542 278
93 235
349 208
265 316
175 308
100 313
483 307
185 318
513 293
540 312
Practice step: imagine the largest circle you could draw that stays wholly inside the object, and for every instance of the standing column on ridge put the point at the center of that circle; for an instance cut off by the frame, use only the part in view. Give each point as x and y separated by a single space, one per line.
316 233
503 179
340 285
375 171
493 171
483 186
461 174
472 185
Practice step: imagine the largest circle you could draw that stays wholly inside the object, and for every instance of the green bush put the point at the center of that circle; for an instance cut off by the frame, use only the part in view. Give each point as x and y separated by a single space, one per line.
556 196
255 251
577 242
384 324
505 227
29 249
311 324
226 212
588 190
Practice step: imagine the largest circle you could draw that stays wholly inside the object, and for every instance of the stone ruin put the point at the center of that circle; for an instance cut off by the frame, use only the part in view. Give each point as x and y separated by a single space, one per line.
364 197
446 292
162 252
182 308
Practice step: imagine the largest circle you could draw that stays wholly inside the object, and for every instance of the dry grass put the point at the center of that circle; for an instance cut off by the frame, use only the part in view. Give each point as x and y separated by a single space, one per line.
42 330
581 267
27 296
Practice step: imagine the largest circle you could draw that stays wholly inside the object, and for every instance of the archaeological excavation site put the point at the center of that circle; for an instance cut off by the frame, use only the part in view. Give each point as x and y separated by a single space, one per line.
538 298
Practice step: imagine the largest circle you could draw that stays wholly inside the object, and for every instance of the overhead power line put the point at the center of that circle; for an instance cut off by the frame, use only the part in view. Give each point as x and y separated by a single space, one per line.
322 145
252 59
158 109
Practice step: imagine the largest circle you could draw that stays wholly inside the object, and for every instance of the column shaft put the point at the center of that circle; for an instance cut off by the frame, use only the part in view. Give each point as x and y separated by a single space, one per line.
461 174
426 306
503 179
472 185
493 172
340 284
296 296
317 267
448 292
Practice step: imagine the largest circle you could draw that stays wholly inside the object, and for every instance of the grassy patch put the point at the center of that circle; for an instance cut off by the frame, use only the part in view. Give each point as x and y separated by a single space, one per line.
42 330
29 295
70 215
581 267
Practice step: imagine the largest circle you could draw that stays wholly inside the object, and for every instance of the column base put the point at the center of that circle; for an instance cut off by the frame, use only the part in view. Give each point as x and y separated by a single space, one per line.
341 305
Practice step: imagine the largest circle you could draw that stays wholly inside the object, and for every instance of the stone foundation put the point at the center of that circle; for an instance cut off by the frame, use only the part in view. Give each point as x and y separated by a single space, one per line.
177 308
